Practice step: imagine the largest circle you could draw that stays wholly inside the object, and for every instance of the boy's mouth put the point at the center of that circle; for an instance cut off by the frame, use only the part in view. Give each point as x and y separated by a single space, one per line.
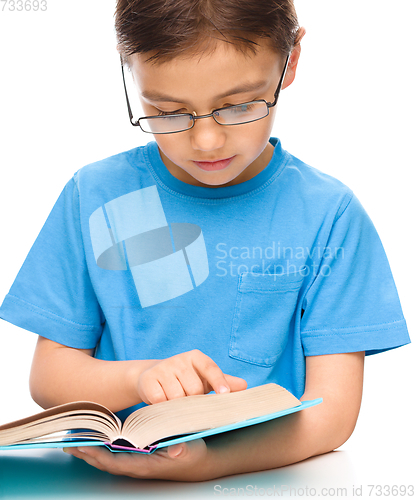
214 165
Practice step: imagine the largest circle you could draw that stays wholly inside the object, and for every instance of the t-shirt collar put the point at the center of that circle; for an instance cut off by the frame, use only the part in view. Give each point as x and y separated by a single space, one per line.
172 183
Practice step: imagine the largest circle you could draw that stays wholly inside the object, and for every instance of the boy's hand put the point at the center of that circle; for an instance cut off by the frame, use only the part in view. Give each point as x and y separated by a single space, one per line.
185 374
180 462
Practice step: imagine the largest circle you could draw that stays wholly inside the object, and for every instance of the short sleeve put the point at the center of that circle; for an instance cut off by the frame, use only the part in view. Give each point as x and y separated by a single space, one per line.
352 304
52 294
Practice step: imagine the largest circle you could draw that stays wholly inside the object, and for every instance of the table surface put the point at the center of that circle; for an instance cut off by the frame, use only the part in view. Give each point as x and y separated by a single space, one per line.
53 474
379 452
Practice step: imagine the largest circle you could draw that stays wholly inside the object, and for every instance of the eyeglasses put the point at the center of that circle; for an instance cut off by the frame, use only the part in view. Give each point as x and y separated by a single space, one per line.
238 114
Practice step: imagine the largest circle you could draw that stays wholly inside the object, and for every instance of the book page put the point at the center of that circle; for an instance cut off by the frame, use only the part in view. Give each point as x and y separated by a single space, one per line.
196 413
81 415
56 410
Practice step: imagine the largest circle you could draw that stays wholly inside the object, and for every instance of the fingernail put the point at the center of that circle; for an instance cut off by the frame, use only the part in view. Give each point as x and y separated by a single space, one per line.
178 452
223 389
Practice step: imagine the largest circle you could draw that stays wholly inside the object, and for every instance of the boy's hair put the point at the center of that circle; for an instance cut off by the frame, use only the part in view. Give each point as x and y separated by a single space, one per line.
166 29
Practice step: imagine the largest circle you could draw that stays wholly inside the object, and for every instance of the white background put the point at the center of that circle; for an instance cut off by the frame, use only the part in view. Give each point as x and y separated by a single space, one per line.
350 113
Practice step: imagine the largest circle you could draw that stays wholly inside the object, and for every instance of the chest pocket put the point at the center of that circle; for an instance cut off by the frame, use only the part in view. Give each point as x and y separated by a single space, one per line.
262 316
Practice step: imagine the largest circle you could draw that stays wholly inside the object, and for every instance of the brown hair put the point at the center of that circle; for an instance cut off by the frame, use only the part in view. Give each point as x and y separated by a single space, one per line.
171 28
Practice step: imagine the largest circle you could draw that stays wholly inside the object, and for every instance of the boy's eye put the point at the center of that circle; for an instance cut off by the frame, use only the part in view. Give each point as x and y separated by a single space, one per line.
163 113
243 108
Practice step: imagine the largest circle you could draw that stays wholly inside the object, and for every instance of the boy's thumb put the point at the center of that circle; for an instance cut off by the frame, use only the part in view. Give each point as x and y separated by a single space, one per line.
175 450
191 449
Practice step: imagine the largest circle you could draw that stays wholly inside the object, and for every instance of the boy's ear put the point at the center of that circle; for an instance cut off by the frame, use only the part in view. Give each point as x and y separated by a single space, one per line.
299 35
294 59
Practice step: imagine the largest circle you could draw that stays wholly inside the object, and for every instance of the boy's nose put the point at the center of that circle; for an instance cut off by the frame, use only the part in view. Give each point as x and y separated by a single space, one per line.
207 134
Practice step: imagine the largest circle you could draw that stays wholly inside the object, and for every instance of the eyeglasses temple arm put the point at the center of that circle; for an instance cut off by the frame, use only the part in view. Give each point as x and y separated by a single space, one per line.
127 97
276 94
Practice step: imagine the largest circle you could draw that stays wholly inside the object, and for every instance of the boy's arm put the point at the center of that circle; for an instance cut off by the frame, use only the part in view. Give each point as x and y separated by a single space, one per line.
61 374
337 378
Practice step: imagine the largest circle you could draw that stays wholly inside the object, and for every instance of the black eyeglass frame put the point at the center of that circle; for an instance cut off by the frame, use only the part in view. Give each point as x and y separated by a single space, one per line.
193 115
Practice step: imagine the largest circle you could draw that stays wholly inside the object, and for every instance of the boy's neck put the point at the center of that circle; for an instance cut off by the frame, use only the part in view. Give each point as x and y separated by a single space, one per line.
259 164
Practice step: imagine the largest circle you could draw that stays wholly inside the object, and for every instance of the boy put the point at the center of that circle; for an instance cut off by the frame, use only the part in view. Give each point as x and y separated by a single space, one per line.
162 272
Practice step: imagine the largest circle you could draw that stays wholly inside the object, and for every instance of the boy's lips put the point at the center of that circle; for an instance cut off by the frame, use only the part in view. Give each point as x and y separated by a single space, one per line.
214 165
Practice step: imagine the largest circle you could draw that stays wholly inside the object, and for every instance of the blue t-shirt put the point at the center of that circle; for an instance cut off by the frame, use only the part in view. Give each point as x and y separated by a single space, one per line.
140 265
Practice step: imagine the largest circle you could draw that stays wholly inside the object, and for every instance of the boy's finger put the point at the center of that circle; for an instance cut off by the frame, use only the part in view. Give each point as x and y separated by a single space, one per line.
188 451
215 378
172 387
191 383
236 383
152 392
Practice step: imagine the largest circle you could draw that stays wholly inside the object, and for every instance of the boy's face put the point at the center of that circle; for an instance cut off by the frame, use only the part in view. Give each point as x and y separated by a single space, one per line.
194 84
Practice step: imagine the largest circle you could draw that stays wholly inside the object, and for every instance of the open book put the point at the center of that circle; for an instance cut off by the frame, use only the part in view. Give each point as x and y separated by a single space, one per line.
150 427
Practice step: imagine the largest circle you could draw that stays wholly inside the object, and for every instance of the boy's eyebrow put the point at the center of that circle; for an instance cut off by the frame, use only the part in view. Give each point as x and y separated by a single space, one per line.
245 87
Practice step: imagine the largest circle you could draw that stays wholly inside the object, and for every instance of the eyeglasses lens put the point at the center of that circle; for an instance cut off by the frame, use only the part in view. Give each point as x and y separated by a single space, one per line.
166 124
233 115
241 113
